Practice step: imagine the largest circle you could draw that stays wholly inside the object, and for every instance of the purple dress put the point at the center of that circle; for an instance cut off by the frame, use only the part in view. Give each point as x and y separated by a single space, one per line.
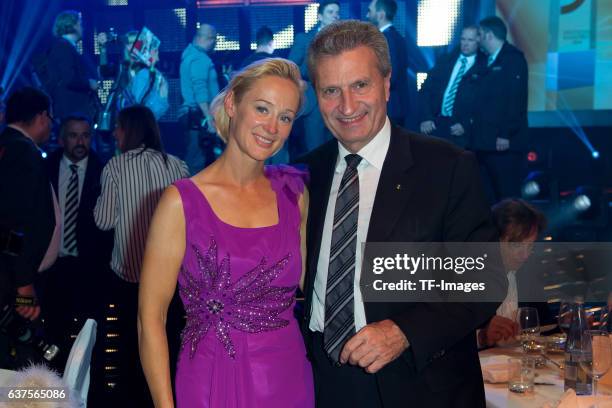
241 346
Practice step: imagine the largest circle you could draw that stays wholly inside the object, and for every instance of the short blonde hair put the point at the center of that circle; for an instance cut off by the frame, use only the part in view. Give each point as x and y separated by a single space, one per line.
243 81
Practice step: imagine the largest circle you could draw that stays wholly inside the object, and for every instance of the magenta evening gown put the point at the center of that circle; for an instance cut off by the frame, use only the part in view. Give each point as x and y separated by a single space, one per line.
241 346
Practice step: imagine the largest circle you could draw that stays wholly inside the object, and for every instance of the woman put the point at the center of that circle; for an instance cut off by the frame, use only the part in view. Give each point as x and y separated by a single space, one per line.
132 184
135 82
233 236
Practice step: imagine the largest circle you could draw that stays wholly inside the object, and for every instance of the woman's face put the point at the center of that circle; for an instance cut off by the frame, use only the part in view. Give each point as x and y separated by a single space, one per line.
262 120
119 134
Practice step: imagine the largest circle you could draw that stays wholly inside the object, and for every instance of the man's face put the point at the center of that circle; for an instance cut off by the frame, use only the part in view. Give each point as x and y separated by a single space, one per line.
352 95
76 140
485 41
209 41
331 13
372 15
515 254
470 40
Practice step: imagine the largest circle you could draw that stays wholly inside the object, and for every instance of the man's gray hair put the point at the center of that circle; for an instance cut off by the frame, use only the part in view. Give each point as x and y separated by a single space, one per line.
347 35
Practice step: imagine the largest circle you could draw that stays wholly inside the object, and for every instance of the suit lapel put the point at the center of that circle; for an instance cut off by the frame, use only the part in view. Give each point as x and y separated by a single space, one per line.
395 187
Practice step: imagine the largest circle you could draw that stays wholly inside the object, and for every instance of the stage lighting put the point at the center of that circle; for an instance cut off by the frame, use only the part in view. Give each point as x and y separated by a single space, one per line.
539 186
588 206
595 154
582 203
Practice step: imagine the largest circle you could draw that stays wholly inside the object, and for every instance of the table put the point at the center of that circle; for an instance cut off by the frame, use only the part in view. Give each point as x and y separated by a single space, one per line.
498 396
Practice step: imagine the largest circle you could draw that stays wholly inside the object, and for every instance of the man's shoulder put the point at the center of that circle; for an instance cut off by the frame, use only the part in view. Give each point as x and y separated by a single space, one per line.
511 52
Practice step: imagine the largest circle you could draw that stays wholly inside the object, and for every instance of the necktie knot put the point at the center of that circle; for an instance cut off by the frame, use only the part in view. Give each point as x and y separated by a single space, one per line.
74 168
353 160
463 60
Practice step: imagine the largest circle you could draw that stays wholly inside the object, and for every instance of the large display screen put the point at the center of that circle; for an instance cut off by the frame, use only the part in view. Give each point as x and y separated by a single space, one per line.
568 46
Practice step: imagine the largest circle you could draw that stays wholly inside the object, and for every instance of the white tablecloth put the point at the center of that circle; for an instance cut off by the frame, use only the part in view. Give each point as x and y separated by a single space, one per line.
498 396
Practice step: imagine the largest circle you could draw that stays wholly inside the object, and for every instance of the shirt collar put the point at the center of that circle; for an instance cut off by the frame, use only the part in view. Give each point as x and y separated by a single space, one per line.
81 163
20 129
493 56
469 58
373 153
386 26
70 40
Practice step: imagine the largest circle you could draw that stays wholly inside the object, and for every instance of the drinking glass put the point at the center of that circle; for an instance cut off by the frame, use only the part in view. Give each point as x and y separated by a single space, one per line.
529 324
596 356
521 374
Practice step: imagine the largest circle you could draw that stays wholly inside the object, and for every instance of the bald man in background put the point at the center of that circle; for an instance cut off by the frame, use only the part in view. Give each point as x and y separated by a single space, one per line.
198 87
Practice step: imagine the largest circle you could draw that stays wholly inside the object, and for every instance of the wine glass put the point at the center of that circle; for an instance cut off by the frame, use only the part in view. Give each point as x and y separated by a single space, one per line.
596 356
565 316
529 324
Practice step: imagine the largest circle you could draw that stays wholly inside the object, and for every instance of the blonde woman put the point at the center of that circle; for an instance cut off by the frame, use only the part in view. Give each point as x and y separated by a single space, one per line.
233 237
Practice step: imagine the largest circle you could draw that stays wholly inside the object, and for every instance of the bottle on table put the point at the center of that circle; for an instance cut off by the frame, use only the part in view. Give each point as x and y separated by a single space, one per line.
574 375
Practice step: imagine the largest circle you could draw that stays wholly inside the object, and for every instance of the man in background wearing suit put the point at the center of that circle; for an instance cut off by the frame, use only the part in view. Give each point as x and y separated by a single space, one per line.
381 183
27 206
381 13
73 287
309 130
447 98
66 75
500 128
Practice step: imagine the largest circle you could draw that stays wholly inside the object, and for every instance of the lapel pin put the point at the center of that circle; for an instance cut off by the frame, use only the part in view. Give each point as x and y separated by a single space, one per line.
398 187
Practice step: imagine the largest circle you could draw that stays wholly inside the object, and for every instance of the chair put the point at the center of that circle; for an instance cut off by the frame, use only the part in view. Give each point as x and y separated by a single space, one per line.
76 373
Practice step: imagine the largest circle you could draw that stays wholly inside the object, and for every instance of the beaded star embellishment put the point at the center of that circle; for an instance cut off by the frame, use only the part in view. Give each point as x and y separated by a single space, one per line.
212 301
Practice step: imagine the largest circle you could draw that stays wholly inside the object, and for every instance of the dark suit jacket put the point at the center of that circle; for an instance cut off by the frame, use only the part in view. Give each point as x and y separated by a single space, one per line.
299 51
397 107
93 245
440 199
432 91
502 101
67 80
26 205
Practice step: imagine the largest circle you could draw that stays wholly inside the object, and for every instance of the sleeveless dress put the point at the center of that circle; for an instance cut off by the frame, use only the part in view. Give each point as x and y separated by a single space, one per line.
241 346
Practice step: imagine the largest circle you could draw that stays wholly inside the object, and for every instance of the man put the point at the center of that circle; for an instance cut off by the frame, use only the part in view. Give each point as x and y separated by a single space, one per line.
64 72
500 128
264 38
381 14
309 130
198 87
28 213
447 97
399 187
519 224
72 290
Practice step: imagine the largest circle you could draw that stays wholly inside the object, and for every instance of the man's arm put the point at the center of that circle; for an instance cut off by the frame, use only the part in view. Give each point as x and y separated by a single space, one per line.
105 212
516 94
64 71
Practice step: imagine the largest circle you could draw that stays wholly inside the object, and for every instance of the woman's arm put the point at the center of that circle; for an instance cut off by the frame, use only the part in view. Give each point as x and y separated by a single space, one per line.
162 259
304 199
105 212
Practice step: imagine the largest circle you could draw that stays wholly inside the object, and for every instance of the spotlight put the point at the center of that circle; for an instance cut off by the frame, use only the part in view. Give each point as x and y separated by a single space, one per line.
582 203
539 185
595 154
532 157
588 206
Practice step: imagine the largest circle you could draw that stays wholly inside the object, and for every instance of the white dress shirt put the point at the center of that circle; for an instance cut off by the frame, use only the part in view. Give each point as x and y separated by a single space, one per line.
369 169
491 59
469 63
62 185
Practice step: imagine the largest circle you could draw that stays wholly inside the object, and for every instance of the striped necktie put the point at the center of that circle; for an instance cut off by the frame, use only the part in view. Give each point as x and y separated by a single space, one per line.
449 101
71 210
339 307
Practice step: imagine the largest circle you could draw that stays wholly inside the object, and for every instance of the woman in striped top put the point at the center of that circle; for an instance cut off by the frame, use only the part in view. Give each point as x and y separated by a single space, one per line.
132 184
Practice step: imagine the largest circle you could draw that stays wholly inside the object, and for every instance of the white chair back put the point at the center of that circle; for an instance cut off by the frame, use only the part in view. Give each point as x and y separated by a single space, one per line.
76 373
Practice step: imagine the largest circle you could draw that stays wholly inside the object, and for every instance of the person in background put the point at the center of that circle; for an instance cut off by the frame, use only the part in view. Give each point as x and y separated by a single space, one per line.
64 73
500 133
72 286
132 184
381 14
447 99
264 38
309 130
29 214
233 236
519 224
199 86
